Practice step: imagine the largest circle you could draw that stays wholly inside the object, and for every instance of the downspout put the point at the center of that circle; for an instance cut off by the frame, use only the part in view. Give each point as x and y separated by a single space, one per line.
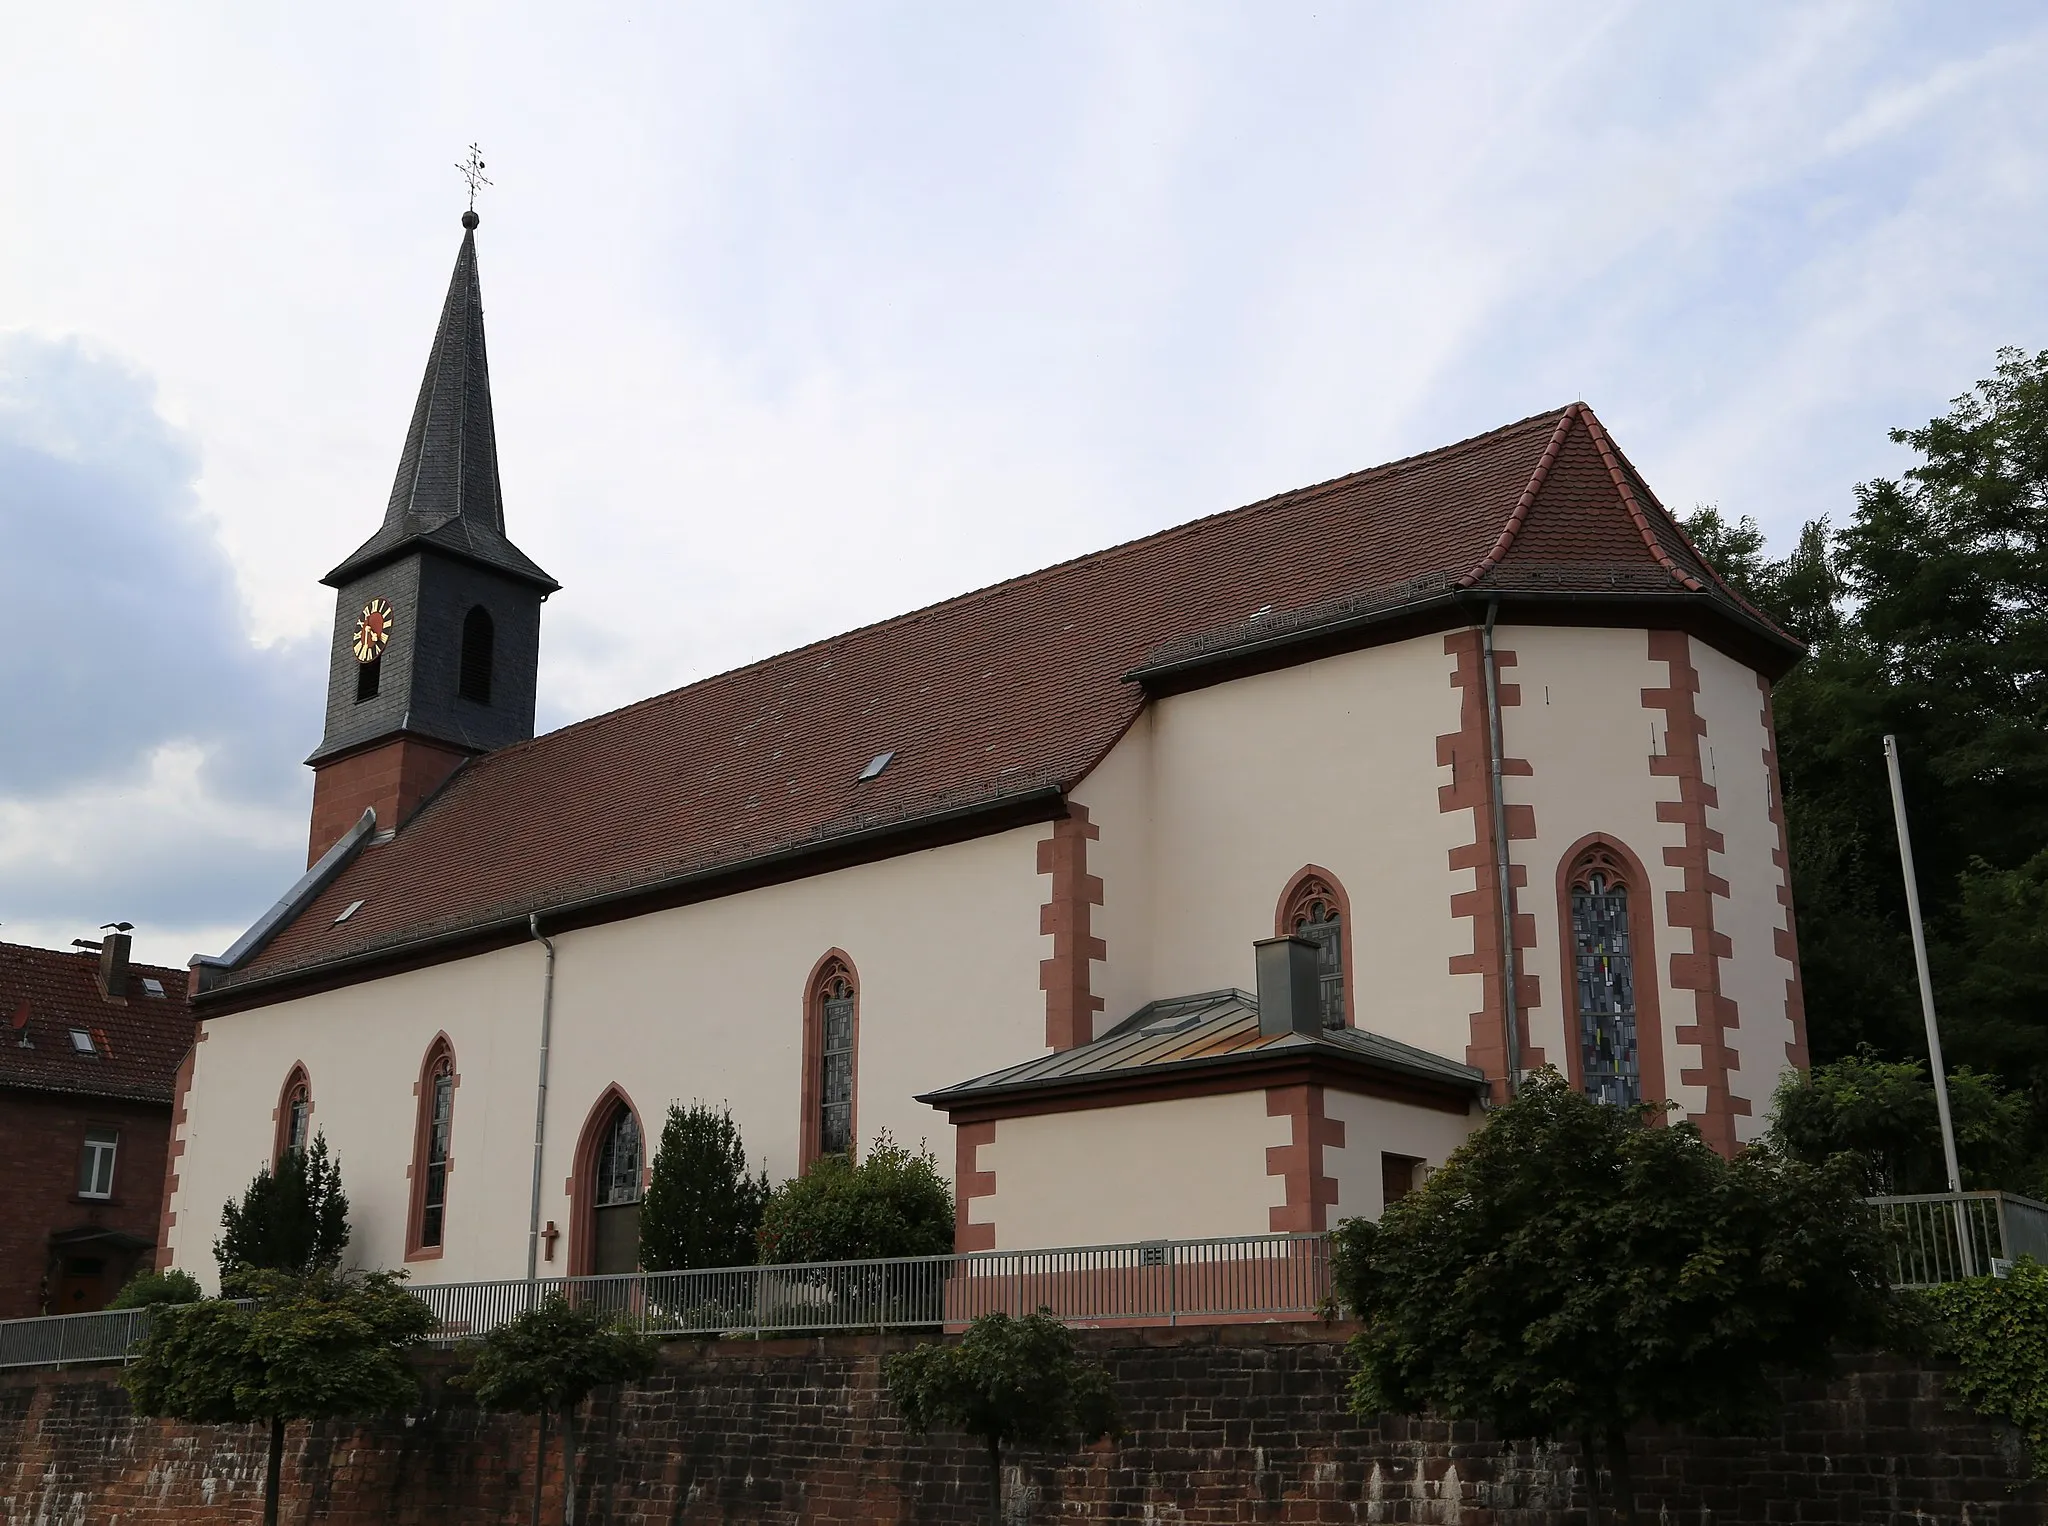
1510 1016
540 1096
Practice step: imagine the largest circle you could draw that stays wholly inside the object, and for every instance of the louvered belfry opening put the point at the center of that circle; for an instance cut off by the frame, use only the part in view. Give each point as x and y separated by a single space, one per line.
479 635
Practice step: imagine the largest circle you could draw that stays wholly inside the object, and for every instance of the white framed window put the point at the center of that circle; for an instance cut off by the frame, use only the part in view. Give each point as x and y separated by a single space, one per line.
96 1163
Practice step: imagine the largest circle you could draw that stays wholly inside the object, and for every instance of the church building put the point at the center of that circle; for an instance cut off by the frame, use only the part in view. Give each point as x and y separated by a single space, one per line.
1211 884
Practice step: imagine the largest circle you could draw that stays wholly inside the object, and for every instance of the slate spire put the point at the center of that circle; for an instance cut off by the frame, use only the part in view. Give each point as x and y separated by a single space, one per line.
446 495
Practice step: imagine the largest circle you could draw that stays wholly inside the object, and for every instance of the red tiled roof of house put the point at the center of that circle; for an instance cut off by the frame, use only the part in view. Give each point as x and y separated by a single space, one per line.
1026 683
137 1041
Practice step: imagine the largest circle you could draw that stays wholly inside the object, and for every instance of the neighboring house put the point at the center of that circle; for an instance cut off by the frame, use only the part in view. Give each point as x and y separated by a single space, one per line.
90 1045
1205 885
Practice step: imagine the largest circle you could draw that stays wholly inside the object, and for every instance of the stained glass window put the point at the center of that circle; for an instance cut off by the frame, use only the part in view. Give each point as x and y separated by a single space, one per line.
298 1114
835 1088
618 1162
434 1200
1609 1065
1313 914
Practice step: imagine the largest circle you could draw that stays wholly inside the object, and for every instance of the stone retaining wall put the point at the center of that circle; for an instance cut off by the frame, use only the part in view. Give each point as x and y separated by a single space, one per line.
1226 1424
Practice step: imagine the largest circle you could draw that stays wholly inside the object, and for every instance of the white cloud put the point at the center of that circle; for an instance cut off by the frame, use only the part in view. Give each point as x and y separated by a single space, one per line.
800 317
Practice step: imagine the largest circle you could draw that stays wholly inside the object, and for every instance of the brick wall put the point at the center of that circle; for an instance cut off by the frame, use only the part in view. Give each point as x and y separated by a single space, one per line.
41 1135
1227 1425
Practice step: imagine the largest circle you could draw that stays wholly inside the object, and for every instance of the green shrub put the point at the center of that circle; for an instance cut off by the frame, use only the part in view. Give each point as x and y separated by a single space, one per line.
149 1290
293 1219
1005 1382
1575 1269
1997 1330
701 1209
1882 1113
890 1203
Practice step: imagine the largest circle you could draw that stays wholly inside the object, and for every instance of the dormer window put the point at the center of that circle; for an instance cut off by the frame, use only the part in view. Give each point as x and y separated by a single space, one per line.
82 1041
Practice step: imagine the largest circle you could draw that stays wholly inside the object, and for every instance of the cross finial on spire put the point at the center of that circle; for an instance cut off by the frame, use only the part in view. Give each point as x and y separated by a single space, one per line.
472 170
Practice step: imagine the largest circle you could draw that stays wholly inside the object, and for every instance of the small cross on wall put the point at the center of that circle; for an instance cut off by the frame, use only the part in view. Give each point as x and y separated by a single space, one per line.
548 1238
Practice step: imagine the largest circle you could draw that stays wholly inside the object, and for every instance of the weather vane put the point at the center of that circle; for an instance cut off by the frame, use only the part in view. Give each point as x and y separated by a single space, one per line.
472 170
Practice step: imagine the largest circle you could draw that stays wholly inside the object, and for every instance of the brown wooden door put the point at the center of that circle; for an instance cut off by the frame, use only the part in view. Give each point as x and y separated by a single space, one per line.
83 1287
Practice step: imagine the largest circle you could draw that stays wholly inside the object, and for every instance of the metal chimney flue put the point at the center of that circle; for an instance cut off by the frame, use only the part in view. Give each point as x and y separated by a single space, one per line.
1290 987
114 965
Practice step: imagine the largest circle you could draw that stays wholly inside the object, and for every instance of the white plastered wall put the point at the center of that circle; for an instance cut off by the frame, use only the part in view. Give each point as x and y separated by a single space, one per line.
702 1001
1753 974
1582 726
1207 812
1189 1168
1376 1126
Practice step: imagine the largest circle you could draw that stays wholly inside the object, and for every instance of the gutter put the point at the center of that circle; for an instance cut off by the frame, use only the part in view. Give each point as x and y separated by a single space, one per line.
516 927
540 1096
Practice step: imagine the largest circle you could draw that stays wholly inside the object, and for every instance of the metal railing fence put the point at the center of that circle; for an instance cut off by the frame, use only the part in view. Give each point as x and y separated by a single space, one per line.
1152 1282
1936 1237
55 1339
1942 1237
1246 1278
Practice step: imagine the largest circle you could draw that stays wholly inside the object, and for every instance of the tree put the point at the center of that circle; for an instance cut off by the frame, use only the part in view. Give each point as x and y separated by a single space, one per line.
1005 1382
701 1207
891 1203
1881 1114
1575 1268
547 1361
1927 611
292 1219
286 1346
150 1290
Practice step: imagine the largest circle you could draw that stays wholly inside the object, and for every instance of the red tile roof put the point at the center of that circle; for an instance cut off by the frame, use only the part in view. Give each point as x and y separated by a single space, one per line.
1027 683
137 1041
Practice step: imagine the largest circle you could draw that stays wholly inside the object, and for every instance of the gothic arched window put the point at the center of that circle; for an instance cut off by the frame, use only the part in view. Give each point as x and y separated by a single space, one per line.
615 1195
479 634
1603 967
294 1113
1313 908
431 1139
831 1042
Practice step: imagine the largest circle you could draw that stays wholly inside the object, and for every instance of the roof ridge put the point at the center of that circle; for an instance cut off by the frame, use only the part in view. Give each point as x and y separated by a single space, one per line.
81 954
1686 540
1102 553
1537 478
1611 455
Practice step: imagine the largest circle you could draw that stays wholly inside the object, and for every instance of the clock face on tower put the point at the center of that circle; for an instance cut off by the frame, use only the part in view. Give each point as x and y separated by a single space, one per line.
373 630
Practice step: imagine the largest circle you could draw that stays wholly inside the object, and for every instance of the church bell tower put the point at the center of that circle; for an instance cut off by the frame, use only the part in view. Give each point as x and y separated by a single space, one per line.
437 615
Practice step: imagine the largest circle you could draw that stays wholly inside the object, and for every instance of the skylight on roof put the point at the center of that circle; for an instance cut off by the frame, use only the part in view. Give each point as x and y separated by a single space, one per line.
81 1041
875 766
348 911
151 986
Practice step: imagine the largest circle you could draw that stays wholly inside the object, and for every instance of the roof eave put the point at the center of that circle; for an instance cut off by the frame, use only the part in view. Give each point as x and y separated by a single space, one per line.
1768 649
362 563
1004 811
1250 1063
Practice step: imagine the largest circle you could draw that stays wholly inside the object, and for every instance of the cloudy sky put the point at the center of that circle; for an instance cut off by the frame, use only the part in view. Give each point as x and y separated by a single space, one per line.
804 315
